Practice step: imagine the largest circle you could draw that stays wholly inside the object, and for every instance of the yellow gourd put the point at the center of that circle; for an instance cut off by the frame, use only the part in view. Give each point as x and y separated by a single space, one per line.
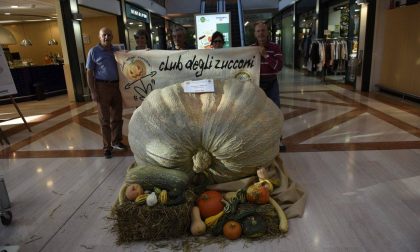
141 199
283 225
163 197
267 184
212 220
198 227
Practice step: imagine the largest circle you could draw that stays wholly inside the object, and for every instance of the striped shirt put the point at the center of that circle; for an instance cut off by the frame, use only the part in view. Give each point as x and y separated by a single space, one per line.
272 64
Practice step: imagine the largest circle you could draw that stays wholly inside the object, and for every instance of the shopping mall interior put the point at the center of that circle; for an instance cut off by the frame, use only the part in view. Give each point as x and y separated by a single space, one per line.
351 125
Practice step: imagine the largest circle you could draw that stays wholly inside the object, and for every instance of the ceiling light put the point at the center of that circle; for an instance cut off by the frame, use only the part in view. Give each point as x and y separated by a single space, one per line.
25 42
14 6
7 13
52 41
130 23
246 23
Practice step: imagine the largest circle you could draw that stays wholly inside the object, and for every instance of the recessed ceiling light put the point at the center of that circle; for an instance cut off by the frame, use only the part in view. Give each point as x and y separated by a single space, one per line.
47 19
130 23
14 6
7 13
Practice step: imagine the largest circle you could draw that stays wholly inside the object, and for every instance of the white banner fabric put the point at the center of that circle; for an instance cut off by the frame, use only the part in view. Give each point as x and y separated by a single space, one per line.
142 71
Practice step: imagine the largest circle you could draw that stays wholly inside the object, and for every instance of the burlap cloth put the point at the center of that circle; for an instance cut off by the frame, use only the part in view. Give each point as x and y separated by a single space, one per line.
288 193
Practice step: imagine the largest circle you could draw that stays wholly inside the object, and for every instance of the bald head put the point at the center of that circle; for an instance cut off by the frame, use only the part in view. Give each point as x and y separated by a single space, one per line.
105 37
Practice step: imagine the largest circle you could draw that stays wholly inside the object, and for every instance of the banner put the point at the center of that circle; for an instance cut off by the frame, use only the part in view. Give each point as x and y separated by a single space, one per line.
141 71
7 85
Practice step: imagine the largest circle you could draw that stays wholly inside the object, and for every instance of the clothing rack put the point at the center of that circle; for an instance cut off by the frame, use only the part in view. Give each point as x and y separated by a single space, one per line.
327 54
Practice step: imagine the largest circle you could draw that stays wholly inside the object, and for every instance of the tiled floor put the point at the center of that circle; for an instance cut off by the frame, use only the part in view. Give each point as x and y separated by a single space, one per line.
356 155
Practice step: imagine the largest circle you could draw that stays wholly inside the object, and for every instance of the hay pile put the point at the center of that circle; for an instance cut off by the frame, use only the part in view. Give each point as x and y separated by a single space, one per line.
133 222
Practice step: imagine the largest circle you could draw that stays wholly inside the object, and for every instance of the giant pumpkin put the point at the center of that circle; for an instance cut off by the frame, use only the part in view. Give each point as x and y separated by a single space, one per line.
227 134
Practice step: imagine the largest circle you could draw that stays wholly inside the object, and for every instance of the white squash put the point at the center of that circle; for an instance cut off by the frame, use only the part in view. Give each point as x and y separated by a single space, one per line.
151 199
228 134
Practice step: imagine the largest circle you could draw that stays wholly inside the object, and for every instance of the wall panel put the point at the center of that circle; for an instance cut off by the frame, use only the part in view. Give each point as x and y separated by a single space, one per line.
400 69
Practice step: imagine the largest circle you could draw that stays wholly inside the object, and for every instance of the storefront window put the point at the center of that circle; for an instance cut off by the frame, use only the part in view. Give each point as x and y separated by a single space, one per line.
305 34
137 20
288 41
158 36
276 30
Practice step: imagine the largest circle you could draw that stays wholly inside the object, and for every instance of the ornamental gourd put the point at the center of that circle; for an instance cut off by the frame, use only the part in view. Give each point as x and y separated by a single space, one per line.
227 134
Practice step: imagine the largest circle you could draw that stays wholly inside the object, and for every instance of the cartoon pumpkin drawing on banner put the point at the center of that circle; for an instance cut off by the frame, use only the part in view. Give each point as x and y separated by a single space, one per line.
134 68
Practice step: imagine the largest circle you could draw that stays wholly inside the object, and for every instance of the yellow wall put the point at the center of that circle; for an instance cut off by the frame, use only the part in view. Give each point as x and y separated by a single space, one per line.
91 26
401 55
39 33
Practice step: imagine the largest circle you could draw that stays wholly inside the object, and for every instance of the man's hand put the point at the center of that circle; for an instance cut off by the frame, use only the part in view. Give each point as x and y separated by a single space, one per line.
91 85
94 96
263 52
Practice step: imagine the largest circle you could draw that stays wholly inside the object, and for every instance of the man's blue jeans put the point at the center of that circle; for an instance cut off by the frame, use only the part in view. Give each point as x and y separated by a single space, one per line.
271 89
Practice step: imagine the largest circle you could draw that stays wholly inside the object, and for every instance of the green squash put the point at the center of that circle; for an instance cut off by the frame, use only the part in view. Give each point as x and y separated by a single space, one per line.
254 226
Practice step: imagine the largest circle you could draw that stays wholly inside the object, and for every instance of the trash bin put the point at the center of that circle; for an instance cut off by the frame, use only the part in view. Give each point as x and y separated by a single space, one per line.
39 90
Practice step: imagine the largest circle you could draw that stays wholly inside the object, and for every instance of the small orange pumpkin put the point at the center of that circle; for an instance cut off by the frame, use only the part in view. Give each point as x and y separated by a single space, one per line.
210 203
133 191
232 230
258 194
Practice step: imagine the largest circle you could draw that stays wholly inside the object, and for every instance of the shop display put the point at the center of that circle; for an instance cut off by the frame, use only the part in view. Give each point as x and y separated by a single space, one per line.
206 163
344 22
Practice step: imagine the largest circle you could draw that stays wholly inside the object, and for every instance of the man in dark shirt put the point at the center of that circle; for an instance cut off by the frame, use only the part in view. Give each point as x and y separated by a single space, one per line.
179 37
271 64
102 78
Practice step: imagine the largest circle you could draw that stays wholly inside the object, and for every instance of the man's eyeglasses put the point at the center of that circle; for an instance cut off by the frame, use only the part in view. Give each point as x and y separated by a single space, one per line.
218 41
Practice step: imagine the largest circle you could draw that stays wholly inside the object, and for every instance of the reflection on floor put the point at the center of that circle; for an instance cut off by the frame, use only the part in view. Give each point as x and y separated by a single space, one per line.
356 155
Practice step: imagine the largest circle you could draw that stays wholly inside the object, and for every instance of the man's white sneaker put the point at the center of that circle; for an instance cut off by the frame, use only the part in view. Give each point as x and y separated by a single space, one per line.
119 146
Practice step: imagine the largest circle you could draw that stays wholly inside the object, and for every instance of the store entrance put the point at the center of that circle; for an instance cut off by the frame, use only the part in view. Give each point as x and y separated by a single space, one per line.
340 43
93 21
